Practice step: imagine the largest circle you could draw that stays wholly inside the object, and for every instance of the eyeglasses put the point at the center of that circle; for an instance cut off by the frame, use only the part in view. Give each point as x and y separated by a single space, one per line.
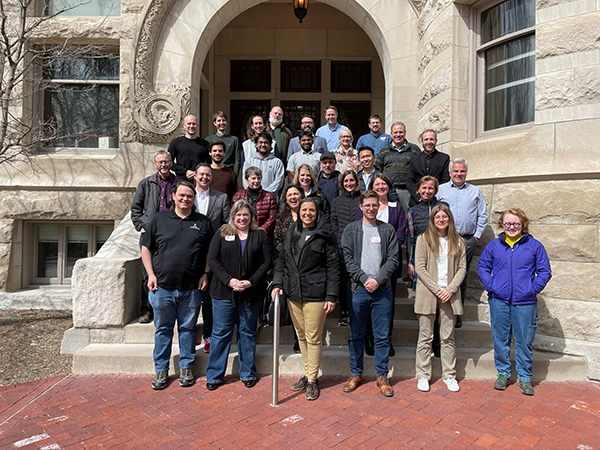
511 225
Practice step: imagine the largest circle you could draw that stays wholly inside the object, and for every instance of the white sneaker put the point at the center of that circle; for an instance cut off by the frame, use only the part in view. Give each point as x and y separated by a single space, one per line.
452 384
423 384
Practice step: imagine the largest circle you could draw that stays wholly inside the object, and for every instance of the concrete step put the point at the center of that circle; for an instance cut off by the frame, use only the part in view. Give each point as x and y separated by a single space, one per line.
472 334
472 363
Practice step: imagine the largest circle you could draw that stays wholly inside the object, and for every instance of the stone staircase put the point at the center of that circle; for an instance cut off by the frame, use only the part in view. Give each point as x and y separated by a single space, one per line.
129 349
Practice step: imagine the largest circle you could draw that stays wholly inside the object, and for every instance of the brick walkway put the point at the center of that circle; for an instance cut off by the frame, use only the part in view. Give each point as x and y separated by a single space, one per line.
123 412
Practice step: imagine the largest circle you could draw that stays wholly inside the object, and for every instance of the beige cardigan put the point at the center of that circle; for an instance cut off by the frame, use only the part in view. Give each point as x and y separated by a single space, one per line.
426 300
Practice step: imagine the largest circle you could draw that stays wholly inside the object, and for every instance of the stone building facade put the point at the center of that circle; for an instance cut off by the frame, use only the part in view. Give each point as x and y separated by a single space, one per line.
428 68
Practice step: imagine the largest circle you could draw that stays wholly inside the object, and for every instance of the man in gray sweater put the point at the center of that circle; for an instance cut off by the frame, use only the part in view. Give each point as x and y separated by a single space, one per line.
370 251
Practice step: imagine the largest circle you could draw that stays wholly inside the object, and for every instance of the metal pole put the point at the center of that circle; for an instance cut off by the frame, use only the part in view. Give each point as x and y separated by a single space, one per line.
275 400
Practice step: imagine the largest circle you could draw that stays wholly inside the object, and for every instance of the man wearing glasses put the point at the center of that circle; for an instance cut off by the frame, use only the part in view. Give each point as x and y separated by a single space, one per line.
467 204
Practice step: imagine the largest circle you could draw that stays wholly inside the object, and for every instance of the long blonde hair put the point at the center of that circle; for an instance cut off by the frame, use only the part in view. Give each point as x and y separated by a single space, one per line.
432 235
229 229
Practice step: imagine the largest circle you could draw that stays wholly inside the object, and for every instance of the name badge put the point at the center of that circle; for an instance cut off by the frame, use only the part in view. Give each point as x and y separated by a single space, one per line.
306 238
382 138
375 239
230 238
392 204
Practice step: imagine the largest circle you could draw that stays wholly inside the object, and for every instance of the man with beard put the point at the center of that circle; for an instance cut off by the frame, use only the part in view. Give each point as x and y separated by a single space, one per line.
428 162
153 194
271 167
188 151
375 139
279 132
328 178
233 152
307 156
224 179
319 144
174 251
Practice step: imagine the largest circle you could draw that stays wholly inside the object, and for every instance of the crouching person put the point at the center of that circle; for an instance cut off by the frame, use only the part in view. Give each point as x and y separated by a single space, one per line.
370 251
174 253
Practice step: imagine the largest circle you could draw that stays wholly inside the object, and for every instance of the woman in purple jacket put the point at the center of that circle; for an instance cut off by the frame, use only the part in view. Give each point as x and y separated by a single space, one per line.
514 268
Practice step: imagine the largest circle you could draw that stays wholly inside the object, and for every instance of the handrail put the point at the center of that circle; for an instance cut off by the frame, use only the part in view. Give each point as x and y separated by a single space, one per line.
276 324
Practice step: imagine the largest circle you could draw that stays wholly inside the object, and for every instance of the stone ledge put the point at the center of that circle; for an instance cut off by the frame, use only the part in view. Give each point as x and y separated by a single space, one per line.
57 298
590 351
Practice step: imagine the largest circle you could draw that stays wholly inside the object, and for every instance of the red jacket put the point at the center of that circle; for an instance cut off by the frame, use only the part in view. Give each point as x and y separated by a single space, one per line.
266 209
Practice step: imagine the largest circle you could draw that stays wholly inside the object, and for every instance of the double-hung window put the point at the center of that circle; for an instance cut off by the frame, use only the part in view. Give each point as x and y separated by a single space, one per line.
505 54
81 101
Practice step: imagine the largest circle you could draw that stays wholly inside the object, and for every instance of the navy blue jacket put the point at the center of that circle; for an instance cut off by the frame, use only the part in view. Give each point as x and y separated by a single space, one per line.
514 275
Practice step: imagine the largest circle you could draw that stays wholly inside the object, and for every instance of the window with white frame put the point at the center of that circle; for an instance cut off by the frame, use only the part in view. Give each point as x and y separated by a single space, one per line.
83 8
505 64
57 246
81 101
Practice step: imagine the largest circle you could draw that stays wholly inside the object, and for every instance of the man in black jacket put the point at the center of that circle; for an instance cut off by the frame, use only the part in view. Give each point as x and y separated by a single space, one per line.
153 194
428 162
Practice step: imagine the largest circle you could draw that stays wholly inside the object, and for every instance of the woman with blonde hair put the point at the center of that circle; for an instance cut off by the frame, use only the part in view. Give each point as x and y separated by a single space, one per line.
514 268
240 255
441 266
305 178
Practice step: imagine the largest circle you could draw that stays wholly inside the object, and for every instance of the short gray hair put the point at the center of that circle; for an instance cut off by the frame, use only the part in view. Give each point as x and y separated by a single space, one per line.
458 161
162 152
253 170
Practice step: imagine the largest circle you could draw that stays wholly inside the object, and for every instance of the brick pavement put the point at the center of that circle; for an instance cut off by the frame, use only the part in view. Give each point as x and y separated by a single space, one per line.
122 412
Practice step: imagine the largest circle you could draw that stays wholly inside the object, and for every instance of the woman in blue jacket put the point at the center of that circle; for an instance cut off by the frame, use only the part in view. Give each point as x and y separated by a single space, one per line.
514 268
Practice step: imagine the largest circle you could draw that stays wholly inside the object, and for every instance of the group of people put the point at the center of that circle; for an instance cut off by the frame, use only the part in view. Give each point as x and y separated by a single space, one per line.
326 221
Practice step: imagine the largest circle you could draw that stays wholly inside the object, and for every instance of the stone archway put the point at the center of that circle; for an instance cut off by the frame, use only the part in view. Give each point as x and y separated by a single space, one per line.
176 36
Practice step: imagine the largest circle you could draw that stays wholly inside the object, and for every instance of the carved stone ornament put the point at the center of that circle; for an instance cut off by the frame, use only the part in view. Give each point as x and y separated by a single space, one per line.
157 115
417 5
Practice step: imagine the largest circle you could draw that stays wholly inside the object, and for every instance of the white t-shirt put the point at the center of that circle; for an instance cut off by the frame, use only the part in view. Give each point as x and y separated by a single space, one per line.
442 263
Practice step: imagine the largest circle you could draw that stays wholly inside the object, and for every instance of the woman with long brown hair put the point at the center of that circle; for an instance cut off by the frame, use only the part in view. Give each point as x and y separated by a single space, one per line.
441 265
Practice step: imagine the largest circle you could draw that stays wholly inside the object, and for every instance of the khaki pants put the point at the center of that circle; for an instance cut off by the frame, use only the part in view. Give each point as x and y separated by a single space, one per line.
448 347
309 319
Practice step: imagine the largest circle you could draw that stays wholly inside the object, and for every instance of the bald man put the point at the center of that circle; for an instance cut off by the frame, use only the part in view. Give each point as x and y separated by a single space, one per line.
189 150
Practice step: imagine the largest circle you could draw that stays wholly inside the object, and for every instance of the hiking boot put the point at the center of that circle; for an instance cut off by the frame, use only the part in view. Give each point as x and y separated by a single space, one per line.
526 387
312 390
186 378
299 385
384 386
501 382
352 384
160 381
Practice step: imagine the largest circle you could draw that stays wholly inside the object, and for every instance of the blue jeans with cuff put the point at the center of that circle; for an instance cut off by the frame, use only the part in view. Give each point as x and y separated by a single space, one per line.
519 321
171 305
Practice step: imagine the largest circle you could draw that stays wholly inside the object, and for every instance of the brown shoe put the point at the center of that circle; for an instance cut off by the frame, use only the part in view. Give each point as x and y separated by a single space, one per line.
384 386
146 317
352 383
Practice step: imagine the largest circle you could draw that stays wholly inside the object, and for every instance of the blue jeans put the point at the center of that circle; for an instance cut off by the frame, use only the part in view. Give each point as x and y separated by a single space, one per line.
170 305
225 317
520 321
379 304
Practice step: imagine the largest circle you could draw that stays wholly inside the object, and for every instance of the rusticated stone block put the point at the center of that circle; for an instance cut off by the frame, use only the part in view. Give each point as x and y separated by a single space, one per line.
438 119
440 40
547 3
6 230
551 202
578 281
439 81
570 35
568 88
568 242
569 318
430 11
